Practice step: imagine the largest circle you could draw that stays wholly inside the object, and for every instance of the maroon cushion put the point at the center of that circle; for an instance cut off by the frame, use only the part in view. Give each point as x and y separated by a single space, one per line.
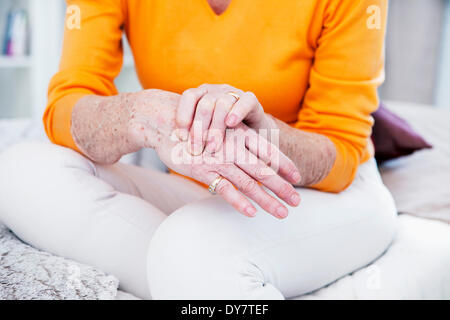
393 137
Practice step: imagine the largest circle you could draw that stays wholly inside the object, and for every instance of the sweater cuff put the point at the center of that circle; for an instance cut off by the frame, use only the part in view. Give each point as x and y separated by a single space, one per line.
58 120
345 167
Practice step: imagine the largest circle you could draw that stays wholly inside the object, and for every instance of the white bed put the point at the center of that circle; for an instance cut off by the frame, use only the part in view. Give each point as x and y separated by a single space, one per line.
417 265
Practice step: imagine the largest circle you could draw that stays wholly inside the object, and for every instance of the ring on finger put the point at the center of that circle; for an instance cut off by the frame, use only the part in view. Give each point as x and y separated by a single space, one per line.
234 94
212 187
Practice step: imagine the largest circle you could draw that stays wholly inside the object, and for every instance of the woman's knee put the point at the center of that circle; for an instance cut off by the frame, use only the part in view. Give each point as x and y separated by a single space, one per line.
31 162
38 182
200 252
384 222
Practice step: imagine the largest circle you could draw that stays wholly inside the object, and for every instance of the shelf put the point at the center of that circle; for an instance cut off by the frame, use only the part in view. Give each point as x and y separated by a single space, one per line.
15 62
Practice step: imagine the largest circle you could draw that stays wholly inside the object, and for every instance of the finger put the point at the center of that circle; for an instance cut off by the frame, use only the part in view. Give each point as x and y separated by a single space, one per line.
216 88
216 132
232 196
248 186
271 155
187 105
247 103
258 170
200 125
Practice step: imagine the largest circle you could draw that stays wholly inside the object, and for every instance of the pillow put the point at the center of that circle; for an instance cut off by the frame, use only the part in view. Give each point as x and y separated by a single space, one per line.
420 183
393 137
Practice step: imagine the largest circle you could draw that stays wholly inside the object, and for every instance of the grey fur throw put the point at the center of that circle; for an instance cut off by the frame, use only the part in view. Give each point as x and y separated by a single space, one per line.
28 273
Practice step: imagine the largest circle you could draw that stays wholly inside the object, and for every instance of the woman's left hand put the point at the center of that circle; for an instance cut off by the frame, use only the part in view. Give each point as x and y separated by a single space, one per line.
204 113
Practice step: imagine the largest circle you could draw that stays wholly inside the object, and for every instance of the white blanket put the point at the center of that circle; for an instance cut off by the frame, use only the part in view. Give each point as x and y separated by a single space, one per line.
416 266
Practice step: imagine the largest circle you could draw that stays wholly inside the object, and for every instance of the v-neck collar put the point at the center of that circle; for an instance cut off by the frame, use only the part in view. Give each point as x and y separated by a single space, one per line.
214 15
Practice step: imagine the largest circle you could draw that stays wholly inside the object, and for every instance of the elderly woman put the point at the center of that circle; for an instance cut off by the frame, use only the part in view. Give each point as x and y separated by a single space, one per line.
307 71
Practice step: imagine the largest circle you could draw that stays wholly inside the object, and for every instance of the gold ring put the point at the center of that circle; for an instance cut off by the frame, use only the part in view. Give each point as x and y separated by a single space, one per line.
234 94
212 187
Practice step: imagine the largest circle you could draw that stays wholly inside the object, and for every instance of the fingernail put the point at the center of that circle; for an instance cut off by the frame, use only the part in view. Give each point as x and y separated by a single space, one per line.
231 120
180 134
295 199
296 177
183 134
282 212
250 211
196 149
211 147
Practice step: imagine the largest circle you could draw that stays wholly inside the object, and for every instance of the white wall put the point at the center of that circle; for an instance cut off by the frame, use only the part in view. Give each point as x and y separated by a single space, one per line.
413 46
443 87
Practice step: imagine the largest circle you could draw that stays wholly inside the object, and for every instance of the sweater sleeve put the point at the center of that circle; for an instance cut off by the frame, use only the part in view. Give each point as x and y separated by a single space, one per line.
342 93
91 59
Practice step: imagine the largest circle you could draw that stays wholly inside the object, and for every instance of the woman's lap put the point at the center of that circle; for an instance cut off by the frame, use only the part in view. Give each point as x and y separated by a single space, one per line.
225 255
97 215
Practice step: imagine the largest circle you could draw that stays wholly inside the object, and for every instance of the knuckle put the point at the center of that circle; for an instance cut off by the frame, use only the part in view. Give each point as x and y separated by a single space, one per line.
206 105
205 111
261 173
267 203
250 95
248 186
222 187
285 190
252 100
291 168
223 103
190 92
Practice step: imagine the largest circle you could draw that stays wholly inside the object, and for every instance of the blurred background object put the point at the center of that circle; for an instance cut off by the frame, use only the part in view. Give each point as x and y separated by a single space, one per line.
25 74
417 54
15 40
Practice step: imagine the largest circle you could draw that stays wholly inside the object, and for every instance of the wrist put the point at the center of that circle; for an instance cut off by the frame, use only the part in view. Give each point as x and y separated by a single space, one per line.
99 127
152 117
269 123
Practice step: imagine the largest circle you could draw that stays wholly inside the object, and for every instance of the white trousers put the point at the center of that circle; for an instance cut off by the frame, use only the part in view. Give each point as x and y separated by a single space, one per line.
165 237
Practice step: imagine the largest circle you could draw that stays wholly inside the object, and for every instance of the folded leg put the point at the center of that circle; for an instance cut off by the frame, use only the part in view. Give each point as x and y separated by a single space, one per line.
220 254
59 201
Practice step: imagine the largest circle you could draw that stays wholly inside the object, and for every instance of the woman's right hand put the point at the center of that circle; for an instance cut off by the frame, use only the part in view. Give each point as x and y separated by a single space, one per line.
242 171
152 124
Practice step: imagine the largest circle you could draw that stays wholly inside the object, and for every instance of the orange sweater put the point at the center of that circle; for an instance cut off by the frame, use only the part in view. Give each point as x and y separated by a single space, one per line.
313 64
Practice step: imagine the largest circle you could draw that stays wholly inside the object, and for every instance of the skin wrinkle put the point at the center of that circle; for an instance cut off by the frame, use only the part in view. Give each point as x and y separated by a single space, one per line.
106 128
314 154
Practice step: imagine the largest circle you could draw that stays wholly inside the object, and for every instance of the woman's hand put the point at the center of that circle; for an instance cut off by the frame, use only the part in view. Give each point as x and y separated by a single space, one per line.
241 169
210 109
241 162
